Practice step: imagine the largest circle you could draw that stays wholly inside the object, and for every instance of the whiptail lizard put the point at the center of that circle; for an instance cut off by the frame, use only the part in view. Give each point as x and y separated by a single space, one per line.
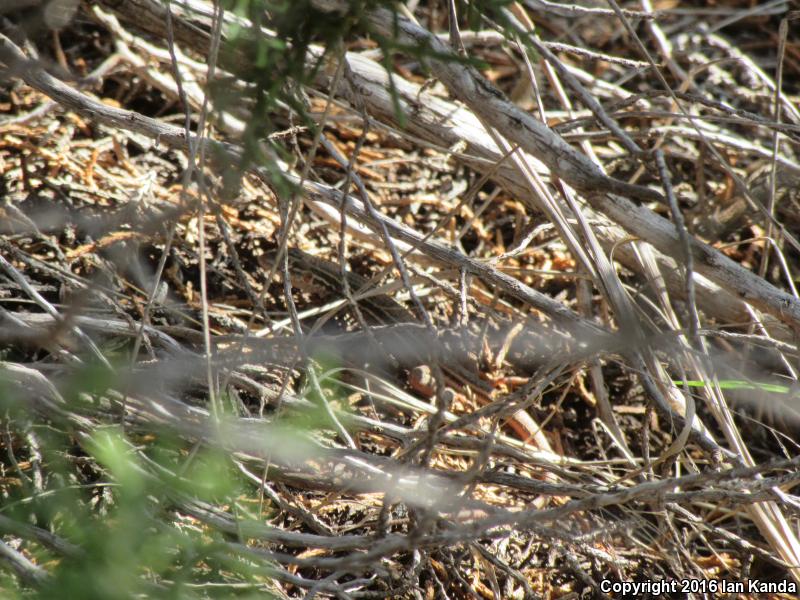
322 277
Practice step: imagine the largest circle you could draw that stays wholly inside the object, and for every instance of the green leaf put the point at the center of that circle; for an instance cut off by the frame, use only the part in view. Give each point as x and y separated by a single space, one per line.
738 384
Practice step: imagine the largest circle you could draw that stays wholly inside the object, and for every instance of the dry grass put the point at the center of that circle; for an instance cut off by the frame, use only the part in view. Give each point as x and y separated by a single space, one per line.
512 394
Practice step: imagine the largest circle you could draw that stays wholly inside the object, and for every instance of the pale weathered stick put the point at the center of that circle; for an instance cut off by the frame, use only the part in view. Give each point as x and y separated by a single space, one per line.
444 123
